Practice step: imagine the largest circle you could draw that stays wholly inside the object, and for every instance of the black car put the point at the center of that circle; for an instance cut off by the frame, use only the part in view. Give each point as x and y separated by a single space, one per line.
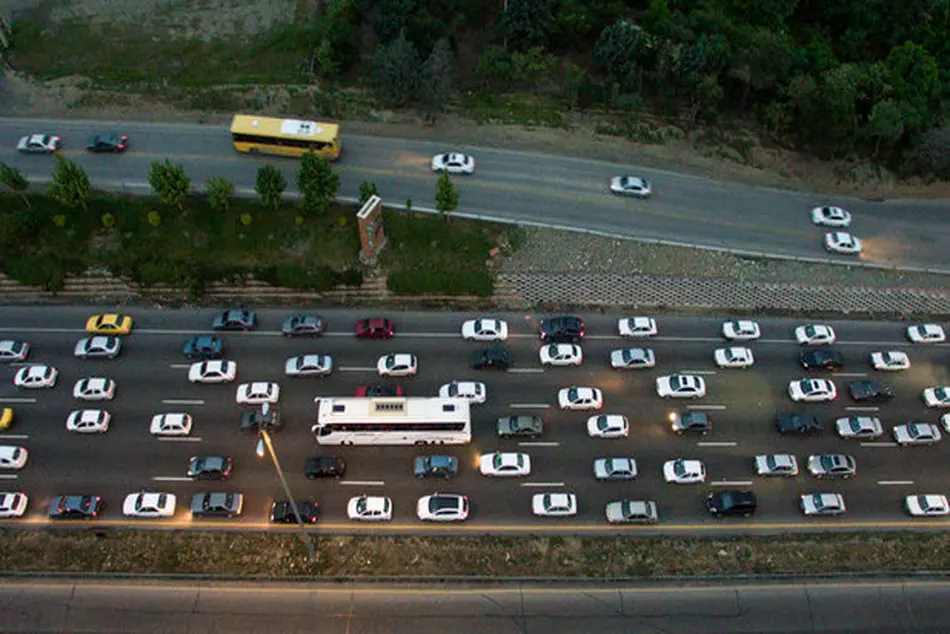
203 347
324 467
562 329
373 390
75 507
731 502
821 359
209 467
495 358
218 504
108 143
691 422
256 419
282 513
302 326
234 319
871 391
801 424
435 466
523 426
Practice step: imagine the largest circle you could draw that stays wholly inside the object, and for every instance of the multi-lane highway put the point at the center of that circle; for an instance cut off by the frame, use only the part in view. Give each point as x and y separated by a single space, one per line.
151 378
819 607
523 187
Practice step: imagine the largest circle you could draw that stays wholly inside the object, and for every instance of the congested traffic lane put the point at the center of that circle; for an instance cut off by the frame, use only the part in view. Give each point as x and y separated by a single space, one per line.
150 373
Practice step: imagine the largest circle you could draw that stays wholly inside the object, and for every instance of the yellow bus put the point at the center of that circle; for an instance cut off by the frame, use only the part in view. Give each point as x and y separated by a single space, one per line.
285 137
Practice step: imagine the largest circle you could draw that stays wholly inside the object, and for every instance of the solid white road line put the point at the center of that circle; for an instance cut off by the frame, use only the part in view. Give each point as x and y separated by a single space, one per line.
171 479
528 405
352 368
705 372
14 399
8 476
731 483
364 483
713 407
526 370
716 444
879 444
182 401
863 409
179 438
886 483
539 444
542 484
851 373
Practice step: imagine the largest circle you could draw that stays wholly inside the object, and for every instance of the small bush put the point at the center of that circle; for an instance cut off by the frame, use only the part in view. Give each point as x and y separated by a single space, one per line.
441 282
246 219
350 277
154 218
59 220
108 220
43 270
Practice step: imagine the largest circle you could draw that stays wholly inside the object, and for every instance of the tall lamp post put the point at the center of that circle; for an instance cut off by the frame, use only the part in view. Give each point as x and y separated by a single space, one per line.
263 443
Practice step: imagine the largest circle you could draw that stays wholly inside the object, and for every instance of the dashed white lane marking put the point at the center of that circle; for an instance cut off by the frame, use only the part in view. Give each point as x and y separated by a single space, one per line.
863 409
526 370
364 483
879 444
15 437
15 399
179 366
716 444
704 372
171 479
182 401
731 483
528 405
711 407
180 438
856 374
8 476
539 444
887 483
542 484
353 368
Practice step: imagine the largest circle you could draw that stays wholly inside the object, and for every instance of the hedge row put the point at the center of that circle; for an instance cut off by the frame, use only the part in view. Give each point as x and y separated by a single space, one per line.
439 282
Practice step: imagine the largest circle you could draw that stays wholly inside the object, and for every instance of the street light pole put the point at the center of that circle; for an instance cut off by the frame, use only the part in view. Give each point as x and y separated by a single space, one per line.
304 534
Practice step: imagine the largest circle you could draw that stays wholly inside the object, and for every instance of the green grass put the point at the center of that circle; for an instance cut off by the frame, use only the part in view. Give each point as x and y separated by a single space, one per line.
520 109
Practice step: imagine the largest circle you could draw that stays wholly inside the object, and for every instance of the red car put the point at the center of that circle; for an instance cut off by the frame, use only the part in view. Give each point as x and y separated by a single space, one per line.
375 389
375 328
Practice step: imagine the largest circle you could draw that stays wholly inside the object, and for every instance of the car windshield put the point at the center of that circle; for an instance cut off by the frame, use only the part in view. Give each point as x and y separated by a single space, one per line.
679 468
677 382
573 394
811 331
942 393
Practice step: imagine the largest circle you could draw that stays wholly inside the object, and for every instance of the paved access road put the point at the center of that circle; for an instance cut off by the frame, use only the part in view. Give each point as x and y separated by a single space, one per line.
523 187
910 607
151 378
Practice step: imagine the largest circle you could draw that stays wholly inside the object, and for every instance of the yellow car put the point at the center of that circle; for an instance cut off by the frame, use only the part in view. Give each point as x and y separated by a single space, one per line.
111 324
6 417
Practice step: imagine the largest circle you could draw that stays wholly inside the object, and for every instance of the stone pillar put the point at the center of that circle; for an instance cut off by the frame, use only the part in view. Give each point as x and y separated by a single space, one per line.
372 236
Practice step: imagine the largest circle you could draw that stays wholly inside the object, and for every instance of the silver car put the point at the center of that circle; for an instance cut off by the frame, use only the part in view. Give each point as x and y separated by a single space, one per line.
631 512
632 359
100 347
615 468
309 365
823 504
832 465
776 464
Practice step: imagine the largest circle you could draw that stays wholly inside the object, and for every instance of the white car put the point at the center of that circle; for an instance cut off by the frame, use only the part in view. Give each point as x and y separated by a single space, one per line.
632 359
106 347
11 350
171 424
916 434
561 354
94 388
776 464
35 377
937 396
681 386
631 186
484 329
38 144
812 390
830 216
554 504
926 333
737 357
741 330
88 421
615 468
890 360
13 457
608 426
474 391
370 508
212 371
502 464
453 163
823 504
13 505
257 393
149 505
308 365
927 505
945 422
859 427
815 335
442 507
637 327
580 398
841 242
401 364
682 471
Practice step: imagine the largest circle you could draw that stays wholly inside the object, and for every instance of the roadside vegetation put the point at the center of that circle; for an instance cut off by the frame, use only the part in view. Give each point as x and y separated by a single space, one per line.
180 238
864 81
284 555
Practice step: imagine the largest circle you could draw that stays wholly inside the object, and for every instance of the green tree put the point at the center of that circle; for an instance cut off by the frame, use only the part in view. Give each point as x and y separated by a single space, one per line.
573 79
317 182
270 185
617 51
14 180
367 191
219 193
437 79
885 124
494 68
169 183
395 72
327 66
446 196
915 78
527 23
70 186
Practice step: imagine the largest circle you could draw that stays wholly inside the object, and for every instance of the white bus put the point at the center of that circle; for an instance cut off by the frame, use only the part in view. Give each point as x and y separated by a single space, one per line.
393 421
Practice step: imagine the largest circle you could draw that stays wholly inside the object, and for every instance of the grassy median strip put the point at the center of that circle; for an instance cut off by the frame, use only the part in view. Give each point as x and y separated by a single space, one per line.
283 555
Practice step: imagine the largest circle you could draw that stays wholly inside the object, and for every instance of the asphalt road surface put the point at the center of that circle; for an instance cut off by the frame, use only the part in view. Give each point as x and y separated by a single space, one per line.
523 187
151 378
912 607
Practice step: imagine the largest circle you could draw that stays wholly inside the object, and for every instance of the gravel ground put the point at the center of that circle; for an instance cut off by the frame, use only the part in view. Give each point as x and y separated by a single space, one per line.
550 251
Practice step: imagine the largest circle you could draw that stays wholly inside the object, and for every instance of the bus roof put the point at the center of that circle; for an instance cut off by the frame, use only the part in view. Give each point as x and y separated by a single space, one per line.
408 408
284 128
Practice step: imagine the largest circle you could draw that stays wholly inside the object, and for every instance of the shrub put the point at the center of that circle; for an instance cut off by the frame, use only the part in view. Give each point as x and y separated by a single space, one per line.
441 282
154 218
108 220
246 219
41 270
317 278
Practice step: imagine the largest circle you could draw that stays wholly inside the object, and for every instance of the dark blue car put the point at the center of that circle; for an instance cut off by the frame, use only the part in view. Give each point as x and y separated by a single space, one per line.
202 347
435 466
